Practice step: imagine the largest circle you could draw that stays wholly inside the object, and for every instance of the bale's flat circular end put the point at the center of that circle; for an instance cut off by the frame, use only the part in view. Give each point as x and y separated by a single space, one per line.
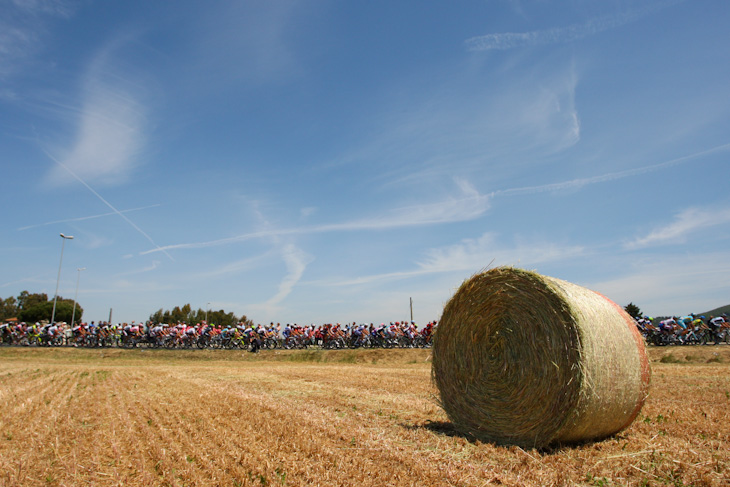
516 361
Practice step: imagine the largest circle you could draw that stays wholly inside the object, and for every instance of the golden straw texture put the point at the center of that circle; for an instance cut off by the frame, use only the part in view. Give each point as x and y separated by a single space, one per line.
530 360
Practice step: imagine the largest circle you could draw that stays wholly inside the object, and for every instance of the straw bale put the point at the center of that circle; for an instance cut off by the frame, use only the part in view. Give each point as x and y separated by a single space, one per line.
525 359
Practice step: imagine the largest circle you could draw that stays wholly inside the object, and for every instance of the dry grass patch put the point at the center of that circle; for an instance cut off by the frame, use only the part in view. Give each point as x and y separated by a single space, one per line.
75 417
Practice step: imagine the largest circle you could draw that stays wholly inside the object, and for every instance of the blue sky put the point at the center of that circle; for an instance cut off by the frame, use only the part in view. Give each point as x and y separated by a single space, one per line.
321 161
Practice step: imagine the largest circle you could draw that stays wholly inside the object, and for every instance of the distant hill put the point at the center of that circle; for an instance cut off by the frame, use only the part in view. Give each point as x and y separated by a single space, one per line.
717 311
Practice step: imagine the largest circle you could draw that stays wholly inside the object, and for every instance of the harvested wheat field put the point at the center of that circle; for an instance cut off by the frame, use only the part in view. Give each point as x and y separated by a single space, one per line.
370 417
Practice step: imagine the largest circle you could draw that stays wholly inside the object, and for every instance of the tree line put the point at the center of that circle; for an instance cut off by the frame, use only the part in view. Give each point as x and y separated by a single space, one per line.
36 307
186 314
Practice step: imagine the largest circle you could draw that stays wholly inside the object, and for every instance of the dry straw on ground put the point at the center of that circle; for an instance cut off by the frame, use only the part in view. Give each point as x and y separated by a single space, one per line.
346 418
530 360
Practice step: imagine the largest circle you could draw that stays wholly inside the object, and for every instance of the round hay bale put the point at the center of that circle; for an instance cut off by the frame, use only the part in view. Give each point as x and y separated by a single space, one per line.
524 359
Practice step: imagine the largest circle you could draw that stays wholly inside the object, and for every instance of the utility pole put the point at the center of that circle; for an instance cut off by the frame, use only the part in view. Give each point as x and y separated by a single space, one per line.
411 310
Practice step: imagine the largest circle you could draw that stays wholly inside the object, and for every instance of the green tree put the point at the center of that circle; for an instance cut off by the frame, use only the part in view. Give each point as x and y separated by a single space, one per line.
199 315
27 300
222 318
188 315
8 308
157 316
37 312
43 310
177 315
633 311
64 310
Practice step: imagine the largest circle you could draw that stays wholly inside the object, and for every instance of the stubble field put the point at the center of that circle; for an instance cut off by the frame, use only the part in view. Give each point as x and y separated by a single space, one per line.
131 417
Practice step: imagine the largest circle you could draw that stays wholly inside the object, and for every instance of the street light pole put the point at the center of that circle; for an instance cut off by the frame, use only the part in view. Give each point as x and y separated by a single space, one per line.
207 307
76 295
58 278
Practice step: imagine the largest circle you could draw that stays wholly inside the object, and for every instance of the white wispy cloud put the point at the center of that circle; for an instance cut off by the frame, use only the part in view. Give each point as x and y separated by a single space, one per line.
238 266
15 42
56 8
472 255
307 212
96 241
687 224
23 27
110 130
296 262
578 183
295 259
690 283
154 265
552 117
424 137
468 206
41 278
571 33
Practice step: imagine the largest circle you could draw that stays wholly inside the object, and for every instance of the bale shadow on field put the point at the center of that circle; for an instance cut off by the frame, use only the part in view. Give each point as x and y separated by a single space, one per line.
447 428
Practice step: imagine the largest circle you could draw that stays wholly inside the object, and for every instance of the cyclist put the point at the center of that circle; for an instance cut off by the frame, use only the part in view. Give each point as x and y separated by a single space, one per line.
716 324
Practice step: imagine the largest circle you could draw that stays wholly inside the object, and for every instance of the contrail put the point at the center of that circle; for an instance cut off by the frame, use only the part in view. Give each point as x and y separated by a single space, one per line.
109 205
86 217
471 206
509 40
580 182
